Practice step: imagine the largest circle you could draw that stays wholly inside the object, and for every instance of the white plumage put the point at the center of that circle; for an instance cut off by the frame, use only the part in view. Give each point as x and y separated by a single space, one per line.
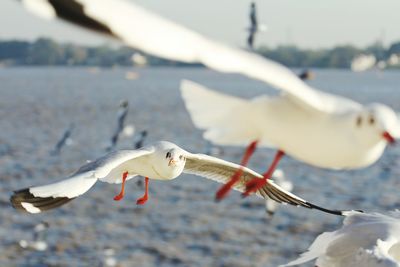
163 161
351 136
365 240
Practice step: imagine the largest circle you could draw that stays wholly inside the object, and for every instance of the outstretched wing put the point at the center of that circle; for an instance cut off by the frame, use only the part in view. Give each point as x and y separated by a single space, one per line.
221 171
39 198
158 36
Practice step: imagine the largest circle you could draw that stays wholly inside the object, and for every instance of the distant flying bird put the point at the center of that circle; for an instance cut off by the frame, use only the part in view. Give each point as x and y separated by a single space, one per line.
139 143
161 161
342 134
253 25
353 137
63 141
279 178
306 75
122 112
365 240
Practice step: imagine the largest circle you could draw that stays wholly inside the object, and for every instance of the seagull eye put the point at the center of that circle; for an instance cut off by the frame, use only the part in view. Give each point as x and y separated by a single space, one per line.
168 155
180 157
371 120
359 121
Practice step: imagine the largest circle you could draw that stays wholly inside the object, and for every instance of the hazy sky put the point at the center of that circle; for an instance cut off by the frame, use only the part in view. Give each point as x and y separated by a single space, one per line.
306 23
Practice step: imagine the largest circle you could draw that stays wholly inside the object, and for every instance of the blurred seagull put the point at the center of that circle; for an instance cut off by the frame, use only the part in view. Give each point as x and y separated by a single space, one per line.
318 128
122 112
38 243
139 143
341 135
254 26
65 140
365 240
306 75
161 161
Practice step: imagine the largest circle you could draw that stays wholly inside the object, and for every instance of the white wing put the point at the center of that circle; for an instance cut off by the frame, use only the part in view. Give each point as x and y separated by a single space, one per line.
221 171
223 116
364 240
39 198
157 36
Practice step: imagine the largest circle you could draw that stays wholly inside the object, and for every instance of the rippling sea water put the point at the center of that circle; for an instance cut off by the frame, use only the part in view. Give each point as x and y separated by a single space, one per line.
181 225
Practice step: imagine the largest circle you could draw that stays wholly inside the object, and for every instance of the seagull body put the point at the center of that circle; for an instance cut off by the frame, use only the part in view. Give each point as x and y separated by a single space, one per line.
162 161
350 137
365 240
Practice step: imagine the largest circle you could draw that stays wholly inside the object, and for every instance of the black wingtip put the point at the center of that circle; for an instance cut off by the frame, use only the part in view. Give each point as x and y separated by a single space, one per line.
334 212
24 200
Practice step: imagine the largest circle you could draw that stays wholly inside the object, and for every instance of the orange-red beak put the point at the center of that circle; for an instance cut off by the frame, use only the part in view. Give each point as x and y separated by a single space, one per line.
389 138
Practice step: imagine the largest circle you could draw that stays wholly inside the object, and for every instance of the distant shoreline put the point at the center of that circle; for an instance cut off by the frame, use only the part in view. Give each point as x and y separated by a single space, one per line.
47 52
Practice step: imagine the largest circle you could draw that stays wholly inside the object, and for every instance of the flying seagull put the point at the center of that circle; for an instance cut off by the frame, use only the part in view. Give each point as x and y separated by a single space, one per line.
63 141
365 240
344 135
161 161
253 25
122 112
318 128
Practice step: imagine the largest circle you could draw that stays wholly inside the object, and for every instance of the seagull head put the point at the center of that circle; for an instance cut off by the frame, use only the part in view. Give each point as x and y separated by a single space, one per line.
171 159
381 123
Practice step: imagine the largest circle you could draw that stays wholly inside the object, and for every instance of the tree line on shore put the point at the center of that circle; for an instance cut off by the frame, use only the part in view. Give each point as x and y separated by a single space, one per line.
44 51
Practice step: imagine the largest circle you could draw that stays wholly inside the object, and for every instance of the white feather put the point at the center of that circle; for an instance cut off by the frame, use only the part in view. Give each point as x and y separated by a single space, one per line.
365 240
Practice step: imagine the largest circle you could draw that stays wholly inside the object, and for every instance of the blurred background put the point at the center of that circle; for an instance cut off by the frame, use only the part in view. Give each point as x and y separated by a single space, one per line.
61 90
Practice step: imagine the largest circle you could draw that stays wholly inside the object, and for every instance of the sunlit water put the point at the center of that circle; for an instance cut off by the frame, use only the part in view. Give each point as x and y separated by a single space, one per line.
181 225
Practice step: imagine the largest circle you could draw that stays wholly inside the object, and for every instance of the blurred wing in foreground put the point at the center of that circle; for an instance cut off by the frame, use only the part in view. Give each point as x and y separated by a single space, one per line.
150 33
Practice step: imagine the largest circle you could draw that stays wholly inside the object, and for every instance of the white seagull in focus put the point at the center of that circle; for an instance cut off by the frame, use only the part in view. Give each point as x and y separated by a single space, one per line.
365 240
317 128
161 161
342 135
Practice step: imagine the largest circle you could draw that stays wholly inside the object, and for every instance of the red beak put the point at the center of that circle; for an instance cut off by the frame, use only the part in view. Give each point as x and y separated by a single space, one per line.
388 138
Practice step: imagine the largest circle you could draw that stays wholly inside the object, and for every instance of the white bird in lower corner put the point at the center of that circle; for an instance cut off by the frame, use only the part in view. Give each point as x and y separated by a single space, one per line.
345 135
161 161
365 240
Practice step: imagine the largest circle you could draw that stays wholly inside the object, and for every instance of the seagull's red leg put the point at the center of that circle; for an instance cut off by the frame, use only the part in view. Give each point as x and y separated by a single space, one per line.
121 194
256 183
145 197
221 193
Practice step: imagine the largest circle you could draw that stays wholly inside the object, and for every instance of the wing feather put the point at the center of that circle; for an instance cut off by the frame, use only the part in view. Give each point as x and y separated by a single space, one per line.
40 198
221 171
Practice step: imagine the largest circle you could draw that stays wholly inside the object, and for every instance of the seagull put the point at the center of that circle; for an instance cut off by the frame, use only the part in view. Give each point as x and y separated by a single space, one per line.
38 243
139 143
122 112
343 135
65 139
161 161
365 240
315 127
253 25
